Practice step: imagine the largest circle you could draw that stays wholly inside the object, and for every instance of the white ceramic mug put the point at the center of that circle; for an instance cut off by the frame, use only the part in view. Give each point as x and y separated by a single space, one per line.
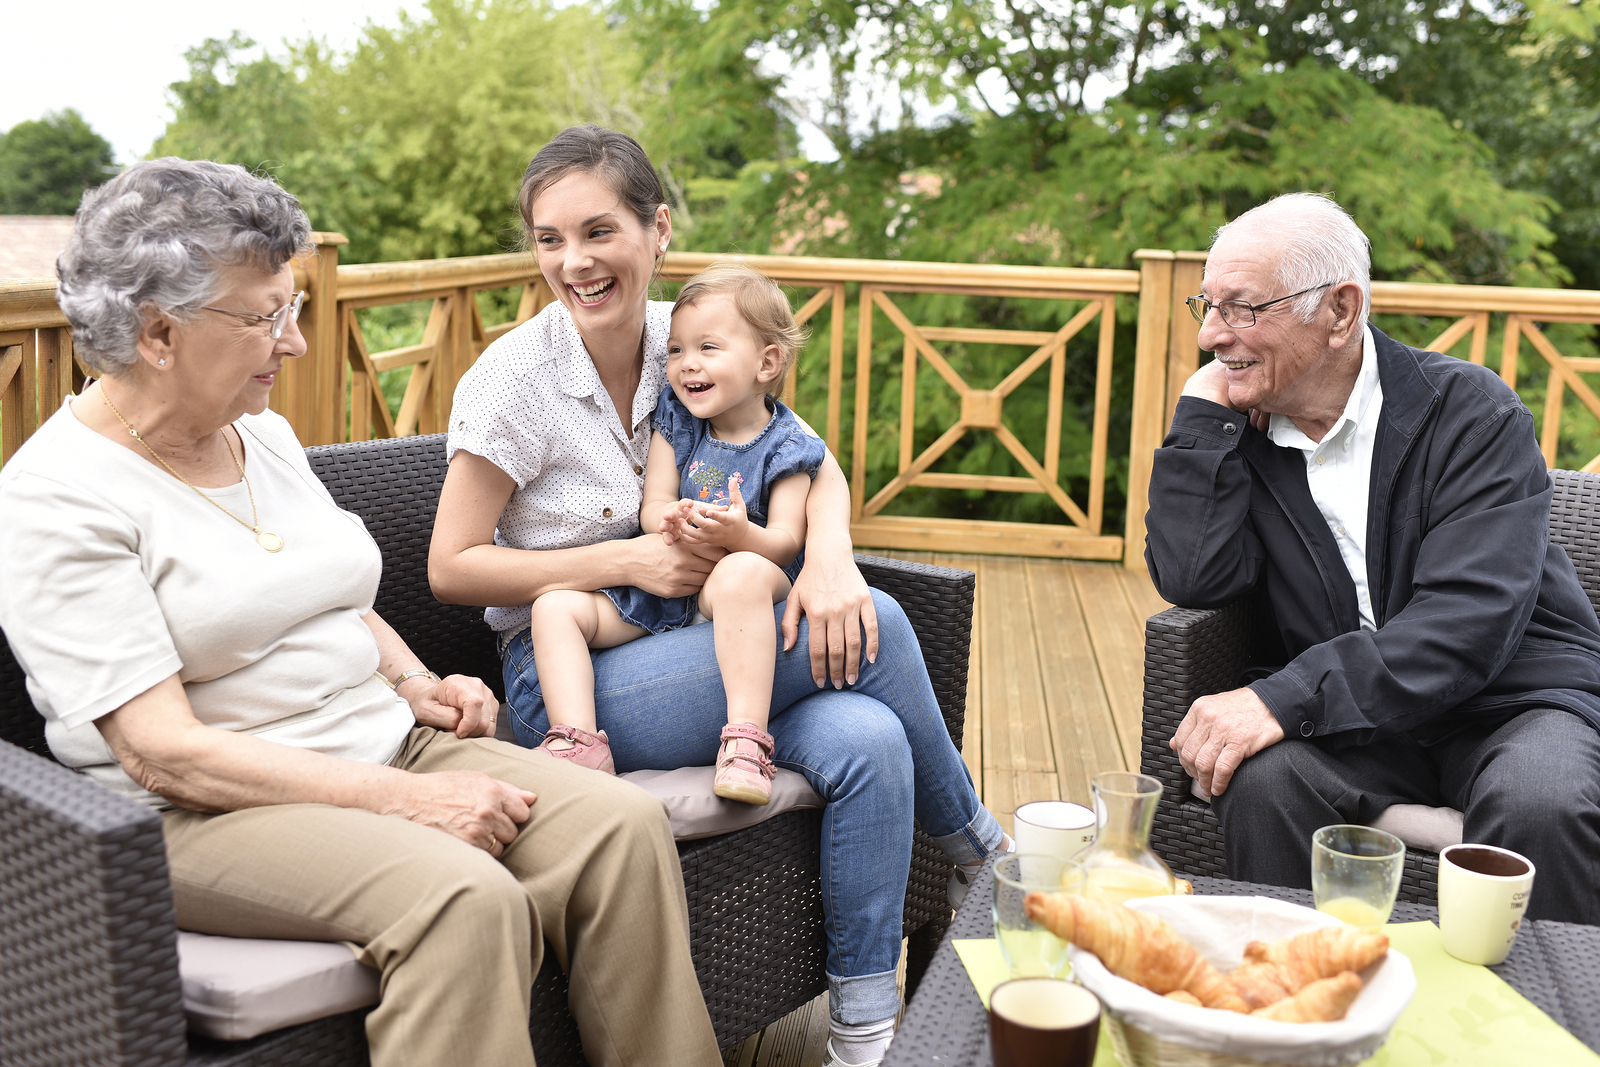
1053 827
1483 892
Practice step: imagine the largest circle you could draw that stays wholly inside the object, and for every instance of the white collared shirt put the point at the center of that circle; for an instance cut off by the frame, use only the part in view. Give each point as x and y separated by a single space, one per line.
1339 470
533 405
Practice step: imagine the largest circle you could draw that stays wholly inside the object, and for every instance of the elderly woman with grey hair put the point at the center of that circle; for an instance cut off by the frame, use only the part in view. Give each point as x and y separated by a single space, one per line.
194 615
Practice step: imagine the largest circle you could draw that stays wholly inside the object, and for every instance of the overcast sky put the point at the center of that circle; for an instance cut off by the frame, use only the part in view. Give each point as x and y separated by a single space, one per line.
113 61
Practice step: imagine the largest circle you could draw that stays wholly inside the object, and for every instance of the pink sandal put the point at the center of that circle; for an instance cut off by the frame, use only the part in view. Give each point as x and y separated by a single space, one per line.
743 770
579 746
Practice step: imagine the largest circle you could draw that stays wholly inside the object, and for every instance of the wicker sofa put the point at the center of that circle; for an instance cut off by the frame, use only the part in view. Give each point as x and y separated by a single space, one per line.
1191 653
88 964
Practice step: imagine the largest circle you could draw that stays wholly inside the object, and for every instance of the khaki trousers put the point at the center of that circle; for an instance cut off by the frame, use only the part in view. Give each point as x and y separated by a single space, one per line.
457 935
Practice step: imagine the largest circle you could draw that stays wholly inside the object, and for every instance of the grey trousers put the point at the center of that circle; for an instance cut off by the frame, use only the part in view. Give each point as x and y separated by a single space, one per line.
457 935
1532 785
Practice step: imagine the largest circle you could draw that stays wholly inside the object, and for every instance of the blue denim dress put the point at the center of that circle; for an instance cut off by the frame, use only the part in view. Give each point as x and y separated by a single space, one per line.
705 468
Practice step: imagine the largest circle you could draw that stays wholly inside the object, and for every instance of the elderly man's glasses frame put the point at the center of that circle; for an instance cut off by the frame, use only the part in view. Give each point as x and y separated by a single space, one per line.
1237 313
279 319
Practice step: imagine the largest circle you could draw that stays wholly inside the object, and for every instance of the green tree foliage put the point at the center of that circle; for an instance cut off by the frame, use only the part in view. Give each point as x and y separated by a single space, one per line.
46 164
1213 107
412 145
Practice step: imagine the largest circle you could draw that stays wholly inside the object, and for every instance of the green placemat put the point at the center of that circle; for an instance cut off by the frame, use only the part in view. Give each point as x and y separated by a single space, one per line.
1461 1015
1466 1014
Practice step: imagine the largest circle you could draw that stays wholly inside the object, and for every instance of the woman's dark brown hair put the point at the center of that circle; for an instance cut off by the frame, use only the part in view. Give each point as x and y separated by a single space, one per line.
595 150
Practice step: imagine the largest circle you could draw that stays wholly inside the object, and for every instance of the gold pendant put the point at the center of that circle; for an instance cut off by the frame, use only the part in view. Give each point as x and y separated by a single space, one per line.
269 541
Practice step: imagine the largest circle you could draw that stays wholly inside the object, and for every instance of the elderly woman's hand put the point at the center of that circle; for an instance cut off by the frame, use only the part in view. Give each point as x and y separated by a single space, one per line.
482 811
465 706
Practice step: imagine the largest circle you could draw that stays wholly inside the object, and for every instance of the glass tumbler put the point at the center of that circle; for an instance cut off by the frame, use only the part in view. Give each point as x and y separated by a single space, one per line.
1029 949
1355 873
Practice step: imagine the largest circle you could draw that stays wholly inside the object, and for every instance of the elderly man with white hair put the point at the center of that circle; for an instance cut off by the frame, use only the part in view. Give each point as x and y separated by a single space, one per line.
1393 507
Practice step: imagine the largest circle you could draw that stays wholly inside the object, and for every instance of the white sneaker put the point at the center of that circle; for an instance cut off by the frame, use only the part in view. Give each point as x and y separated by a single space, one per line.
961 878
831 1058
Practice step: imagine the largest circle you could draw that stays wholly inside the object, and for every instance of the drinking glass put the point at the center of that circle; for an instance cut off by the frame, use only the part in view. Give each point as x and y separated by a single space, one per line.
1355 873
1029 949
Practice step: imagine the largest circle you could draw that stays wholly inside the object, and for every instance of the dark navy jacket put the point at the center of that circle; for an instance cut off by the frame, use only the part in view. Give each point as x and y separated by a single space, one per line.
1480 616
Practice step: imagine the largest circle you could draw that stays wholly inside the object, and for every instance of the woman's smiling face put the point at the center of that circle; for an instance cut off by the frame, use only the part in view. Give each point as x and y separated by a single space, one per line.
596 256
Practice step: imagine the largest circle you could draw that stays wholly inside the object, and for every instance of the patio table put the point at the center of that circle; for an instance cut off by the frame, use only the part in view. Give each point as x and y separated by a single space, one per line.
1555 965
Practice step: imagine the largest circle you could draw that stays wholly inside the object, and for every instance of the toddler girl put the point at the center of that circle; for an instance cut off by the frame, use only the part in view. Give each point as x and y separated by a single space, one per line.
730 468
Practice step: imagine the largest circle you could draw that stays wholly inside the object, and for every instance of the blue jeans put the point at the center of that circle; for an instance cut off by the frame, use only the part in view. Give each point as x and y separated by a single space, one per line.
877 752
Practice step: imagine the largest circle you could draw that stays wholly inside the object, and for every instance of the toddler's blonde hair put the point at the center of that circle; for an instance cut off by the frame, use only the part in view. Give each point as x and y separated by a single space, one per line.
759 302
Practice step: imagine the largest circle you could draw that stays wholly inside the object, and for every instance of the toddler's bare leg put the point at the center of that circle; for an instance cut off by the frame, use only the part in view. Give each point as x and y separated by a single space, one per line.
738 598
566 624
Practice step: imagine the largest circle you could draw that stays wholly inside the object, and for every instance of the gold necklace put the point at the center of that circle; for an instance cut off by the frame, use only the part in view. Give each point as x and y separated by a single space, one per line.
269 541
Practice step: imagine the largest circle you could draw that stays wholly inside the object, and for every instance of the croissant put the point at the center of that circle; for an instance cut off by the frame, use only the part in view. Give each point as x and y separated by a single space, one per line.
1141 948
1322 1001
1271 972
1183 996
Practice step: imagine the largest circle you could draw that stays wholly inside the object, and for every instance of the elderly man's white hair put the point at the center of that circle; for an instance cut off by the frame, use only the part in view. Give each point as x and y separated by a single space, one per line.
1319 243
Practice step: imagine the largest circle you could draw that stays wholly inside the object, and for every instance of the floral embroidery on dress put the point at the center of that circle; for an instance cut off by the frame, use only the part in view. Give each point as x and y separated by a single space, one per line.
711 480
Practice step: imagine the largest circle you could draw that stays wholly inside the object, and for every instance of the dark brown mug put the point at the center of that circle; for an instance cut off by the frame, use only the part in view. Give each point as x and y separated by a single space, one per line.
1043 1022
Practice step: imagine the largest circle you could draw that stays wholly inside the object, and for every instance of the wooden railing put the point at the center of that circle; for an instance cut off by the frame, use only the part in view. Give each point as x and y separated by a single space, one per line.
455 335
334 393
36 365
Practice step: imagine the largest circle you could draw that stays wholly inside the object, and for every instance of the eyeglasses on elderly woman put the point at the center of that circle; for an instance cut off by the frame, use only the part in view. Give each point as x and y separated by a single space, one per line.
279 319
1237 313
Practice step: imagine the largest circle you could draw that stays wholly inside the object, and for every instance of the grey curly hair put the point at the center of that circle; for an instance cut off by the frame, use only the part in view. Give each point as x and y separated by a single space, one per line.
158 236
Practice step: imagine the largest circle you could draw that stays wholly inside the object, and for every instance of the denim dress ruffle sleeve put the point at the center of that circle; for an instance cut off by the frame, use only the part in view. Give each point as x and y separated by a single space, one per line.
706 466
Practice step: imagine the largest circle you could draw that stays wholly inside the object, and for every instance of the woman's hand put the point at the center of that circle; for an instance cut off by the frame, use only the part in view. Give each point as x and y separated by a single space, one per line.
830 590
670 570
465 706
482 811
832 594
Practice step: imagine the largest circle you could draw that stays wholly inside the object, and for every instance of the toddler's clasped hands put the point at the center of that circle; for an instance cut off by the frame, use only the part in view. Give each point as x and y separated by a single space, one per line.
699 523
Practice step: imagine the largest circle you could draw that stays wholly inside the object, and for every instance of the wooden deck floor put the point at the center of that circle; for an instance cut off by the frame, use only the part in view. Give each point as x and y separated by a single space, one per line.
1053 698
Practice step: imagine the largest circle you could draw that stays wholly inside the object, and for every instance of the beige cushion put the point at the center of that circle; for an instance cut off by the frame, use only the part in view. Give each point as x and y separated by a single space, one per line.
237 987
697 812
1418 825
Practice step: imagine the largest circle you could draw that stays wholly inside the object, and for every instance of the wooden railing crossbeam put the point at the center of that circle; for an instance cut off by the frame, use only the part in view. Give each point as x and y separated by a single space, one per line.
335 392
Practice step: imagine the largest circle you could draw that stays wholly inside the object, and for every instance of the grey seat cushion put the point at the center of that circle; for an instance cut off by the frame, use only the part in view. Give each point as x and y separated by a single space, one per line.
697 812
694 809
237 987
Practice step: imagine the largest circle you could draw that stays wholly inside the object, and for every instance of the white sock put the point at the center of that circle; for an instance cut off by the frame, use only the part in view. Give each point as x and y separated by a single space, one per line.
866 1043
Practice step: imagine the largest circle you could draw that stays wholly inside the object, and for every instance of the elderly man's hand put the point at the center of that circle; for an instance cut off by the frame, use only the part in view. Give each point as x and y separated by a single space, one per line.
1220 732
1210 382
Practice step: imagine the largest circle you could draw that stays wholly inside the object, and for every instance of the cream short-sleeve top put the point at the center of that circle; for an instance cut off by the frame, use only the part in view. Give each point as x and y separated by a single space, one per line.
115 575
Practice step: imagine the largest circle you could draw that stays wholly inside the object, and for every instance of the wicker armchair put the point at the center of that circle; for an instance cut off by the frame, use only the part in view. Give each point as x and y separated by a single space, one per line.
88 958
1191 653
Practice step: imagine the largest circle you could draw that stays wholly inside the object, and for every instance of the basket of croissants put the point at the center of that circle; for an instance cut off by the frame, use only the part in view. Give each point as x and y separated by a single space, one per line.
1231 981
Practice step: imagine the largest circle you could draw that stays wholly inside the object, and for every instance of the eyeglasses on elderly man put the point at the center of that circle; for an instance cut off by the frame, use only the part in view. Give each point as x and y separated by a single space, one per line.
1237 313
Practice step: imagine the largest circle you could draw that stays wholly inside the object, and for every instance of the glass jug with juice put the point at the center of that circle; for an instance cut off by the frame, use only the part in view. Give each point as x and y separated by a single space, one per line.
1119 866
